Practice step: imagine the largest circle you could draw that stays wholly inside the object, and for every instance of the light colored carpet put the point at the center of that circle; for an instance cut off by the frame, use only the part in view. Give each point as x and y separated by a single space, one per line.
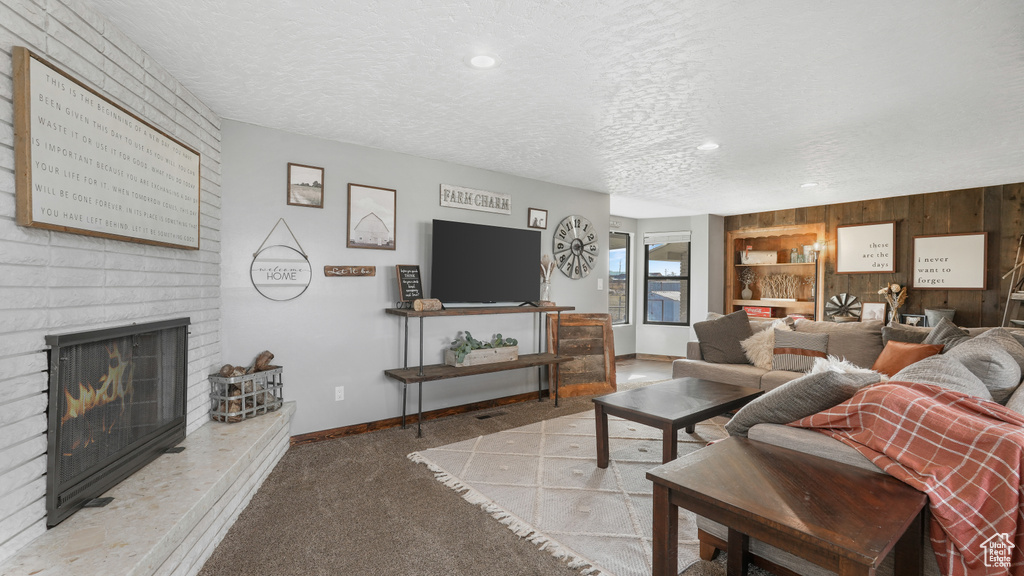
542 481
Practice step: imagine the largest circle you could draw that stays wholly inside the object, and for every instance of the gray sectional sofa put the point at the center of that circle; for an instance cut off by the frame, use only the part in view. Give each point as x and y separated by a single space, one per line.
858 342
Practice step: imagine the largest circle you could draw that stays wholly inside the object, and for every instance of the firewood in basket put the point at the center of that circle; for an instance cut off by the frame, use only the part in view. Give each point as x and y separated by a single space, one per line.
226 370
263 361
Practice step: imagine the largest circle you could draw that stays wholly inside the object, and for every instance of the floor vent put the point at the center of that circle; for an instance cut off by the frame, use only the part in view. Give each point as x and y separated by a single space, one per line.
489 415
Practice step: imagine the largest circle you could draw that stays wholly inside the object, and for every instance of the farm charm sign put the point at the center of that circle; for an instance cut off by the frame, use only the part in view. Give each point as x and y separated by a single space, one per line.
87 166
479 200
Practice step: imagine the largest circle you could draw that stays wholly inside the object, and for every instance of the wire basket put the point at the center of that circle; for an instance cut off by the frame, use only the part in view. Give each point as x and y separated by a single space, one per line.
240 397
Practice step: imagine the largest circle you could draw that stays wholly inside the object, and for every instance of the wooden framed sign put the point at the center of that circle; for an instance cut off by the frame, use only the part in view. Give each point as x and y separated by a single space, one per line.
865 248
950 261
410 287
85 165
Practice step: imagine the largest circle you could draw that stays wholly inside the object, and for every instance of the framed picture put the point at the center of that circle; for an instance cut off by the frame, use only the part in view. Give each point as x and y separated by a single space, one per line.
866 248
537 218
950 261
305 186
371 217
872 311
914 319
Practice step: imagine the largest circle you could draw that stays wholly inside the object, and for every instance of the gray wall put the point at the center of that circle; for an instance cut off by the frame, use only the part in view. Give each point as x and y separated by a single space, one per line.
53 282
336 333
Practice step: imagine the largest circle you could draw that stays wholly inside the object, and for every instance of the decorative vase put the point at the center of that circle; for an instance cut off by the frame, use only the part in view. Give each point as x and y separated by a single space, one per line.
894 316
545 291
746 293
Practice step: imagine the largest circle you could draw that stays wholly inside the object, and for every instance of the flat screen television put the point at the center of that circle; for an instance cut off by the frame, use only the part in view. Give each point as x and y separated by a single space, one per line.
474 263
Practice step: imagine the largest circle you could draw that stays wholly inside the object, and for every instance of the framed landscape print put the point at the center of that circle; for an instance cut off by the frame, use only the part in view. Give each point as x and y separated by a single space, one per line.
305 186
866 248
950 261
371 217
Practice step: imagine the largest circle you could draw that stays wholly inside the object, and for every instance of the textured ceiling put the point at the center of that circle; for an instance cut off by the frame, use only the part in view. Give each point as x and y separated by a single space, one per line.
870 98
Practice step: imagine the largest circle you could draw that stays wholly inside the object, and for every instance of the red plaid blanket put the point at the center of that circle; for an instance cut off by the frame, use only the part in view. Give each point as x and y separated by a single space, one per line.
966 453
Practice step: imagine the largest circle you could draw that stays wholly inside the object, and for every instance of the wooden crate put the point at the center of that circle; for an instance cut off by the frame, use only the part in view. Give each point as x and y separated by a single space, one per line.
483 356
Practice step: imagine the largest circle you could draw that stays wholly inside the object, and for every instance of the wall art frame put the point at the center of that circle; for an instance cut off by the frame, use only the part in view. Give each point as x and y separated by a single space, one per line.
371 217
873 311
86 165
866 248
950 261
537 218
305 185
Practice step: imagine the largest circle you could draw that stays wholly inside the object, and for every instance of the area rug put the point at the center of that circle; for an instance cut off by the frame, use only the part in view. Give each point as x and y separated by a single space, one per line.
542 481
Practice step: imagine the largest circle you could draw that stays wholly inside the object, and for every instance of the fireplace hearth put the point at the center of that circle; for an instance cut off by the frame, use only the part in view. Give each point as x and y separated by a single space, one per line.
117 402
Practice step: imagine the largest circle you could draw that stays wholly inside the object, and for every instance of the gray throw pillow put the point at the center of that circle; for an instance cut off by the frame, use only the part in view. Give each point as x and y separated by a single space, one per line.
1004 339
720 338
947 334
993 365
797 351
904 333
1016 401
944 371
799 398
1018 336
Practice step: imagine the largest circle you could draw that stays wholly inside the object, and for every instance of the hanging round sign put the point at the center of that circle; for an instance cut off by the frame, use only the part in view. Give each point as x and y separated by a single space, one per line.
280 272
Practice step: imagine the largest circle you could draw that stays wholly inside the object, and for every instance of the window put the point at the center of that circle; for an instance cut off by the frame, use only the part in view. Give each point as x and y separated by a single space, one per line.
667 278
618 277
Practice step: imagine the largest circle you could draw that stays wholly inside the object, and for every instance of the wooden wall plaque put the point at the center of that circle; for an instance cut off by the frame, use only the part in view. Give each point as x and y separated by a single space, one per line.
350 271
588 337
85 165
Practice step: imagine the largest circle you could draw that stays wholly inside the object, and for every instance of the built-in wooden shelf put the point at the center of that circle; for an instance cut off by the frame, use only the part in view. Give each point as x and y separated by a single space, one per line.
778 264
443 371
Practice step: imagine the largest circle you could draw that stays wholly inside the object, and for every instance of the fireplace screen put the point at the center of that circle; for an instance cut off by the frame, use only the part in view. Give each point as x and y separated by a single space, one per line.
117 401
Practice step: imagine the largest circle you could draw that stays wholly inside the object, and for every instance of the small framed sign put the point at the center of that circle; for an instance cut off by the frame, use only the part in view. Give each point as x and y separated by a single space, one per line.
950 261
866 248
410 287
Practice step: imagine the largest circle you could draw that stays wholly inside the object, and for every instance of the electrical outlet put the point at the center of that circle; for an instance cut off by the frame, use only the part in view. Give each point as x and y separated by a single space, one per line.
600 283
339 393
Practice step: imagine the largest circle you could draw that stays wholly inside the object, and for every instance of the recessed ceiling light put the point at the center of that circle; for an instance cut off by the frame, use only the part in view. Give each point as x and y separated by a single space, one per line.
708 146
483 61
808 184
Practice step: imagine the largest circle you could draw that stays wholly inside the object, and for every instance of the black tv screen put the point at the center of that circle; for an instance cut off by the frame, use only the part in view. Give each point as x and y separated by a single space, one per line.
478 263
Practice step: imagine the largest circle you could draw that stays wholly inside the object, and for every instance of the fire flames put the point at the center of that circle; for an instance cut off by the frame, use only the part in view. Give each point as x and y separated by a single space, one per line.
115 385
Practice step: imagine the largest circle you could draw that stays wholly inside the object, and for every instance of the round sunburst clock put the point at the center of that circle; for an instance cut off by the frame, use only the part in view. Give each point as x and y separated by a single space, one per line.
575 246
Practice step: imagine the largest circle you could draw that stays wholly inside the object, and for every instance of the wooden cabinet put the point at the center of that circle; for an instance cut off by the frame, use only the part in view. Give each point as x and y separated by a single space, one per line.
808 276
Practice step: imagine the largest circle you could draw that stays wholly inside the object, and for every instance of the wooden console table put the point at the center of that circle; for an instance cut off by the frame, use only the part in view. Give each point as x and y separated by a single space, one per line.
840 517
419 374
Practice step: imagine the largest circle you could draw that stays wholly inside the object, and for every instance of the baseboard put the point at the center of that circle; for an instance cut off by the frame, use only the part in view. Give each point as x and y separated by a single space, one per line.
658 357
354 429
622 357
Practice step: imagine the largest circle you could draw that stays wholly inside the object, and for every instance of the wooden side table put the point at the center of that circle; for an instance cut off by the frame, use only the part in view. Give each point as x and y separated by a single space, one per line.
840 517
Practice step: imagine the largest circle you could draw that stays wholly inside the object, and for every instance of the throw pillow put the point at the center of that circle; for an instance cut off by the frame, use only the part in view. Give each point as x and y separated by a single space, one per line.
1018 336
799 398
1004 339
898 355
760 347
993 365
720 338
1016 401
904 333
947 334
946 371
857 342
796 351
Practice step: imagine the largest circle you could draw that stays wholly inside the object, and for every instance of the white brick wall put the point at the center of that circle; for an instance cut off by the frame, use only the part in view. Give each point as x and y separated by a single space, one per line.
52 282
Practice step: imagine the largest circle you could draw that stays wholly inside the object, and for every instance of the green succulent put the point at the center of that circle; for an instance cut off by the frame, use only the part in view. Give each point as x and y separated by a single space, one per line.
464 343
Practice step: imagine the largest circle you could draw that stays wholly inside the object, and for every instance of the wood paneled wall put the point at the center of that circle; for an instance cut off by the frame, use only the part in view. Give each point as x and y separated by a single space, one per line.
998 210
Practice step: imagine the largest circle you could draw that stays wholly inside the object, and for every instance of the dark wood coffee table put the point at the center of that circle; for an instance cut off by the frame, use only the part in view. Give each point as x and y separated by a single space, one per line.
671 405
840 517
